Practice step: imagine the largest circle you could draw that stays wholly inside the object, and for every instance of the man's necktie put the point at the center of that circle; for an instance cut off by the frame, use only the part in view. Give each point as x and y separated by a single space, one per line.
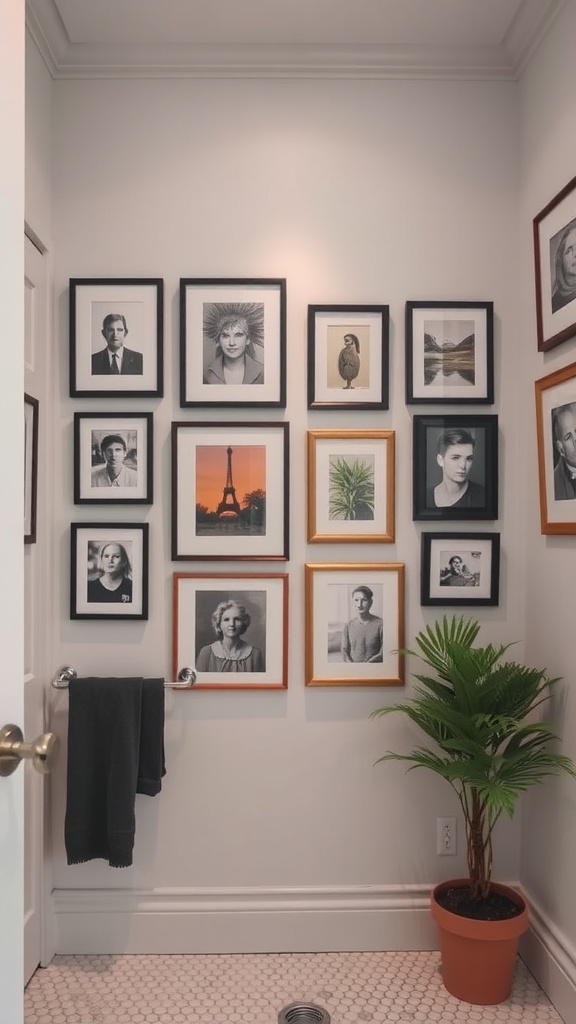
114 368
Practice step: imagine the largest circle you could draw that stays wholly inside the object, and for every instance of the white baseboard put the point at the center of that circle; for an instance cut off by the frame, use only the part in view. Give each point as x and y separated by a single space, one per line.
551 958
254 920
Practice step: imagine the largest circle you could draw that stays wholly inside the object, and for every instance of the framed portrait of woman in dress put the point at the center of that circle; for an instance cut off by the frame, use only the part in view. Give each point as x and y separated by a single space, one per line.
460 569
232 630
449 353
554 231
233 342
113 458
455 467
109 571
348 354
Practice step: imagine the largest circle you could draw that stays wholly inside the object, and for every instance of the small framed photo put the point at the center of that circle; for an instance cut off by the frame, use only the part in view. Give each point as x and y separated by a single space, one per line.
230 488
30 467
116 337
348 357
555 268
113 458
556 436
354 624
109 571
233 342
232 630
351 477
460 568
449 353
455 467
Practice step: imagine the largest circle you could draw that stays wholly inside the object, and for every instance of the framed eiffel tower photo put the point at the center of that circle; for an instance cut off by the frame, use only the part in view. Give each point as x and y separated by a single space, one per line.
230 487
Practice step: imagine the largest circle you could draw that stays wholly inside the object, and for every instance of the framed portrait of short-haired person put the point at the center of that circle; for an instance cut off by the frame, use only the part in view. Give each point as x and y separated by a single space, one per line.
554 231
116 337
109 571
455 467
113 458
460 569
556 435
348 357
231 629
233 342
449 353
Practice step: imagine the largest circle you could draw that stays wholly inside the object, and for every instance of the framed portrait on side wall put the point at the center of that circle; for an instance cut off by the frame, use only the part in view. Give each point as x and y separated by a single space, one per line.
554 230
556 435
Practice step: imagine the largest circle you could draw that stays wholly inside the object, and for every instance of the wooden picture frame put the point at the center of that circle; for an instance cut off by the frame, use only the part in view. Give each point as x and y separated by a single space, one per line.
113 458
104 314
354 617
232 342
31 416
455 457
117 550
216 467
460 569
231 648
449 353
351 486
554 232
348 357
556 436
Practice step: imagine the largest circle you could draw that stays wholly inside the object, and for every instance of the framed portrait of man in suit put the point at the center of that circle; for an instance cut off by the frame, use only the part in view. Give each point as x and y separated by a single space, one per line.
116 337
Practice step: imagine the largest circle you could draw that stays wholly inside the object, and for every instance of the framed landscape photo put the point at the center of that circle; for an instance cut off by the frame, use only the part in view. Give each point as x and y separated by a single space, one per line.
354 617
30 468
109 571
348 357
460 569
232 629
455 467
233 342
116 337
449 352
351 480
554 230
556 436
230 491
113 458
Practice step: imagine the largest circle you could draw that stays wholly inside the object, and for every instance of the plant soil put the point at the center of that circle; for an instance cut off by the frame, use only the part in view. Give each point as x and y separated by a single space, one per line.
495 907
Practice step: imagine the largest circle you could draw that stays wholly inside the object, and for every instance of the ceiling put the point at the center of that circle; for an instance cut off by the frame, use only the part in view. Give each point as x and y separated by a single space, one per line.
297 38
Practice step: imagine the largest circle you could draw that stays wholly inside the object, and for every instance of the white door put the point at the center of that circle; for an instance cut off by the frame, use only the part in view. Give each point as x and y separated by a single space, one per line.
11 505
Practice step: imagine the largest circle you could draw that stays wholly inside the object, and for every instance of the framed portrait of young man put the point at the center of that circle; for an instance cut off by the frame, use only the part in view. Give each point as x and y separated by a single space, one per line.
113 458
455 467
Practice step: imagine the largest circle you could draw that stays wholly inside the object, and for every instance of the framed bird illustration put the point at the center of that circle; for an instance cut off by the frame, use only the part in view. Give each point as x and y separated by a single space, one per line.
348 357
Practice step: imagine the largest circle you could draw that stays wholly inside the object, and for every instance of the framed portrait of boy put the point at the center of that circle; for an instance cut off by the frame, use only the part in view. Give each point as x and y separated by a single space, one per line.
460 569
455 467
449 353
556 436
109 571
554 230
113 458
348 357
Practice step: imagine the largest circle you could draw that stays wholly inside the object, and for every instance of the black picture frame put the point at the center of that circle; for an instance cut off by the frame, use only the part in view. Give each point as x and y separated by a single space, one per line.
87 540
555 279
129 480
449 353
363 358
482 489
137 305
460 569
31 416
209 304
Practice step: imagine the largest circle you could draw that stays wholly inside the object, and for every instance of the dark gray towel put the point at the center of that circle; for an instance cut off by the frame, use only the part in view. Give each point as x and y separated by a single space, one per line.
151 763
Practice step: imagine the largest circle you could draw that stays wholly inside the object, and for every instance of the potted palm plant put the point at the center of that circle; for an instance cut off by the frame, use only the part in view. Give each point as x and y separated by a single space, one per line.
477 709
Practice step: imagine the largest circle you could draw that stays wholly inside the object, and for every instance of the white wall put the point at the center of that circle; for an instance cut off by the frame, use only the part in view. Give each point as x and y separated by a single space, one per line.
38 145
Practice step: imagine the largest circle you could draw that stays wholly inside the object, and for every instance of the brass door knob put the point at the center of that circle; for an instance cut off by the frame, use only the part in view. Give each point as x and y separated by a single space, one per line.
43 751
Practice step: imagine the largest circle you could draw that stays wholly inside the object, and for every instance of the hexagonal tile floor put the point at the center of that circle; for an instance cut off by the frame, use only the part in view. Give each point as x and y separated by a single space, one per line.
355 988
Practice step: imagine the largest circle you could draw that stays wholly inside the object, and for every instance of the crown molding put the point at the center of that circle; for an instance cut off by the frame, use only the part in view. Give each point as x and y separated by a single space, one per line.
528 28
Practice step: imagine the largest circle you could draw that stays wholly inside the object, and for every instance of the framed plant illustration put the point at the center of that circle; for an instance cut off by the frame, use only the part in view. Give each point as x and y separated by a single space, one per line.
348 352
232 629
233 342
554 230
556 435
31 408
455 467
113 458
449 352
116 337
460 569
109 571
351 478
354 624
230 491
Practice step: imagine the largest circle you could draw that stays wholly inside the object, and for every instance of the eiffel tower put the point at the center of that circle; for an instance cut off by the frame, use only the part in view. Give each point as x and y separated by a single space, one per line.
229 506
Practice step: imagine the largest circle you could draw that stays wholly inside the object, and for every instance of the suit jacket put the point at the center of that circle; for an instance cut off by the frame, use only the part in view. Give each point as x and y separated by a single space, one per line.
131 362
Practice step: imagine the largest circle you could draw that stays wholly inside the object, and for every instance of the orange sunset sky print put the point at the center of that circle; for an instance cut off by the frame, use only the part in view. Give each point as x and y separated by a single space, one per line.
248 471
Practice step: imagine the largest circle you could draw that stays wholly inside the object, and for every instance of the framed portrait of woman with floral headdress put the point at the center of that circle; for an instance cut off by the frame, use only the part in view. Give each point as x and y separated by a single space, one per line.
232 342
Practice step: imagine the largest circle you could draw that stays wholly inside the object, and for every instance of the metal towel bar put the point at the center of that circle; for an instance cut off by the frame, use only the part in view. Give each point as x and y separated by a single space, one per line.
185 681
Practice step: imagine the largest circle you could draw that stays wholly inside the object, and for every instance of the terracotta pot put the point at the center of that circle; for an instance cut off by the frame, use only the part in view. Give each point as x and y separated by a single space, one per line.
478 957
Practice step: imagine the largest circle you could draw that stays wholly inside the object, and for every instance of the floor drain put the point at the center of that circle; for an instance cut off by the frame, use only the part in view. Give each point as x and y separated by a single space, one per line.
303 1013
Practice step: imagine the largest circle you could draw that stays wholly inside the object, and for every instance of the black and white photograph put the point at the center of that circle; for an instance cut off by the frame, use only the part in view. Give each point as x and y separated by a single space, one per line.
31 408
455 467
460 569
556 435
554 230
348 357
231 629
109 571
449 352
116 337
233 342
113 458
